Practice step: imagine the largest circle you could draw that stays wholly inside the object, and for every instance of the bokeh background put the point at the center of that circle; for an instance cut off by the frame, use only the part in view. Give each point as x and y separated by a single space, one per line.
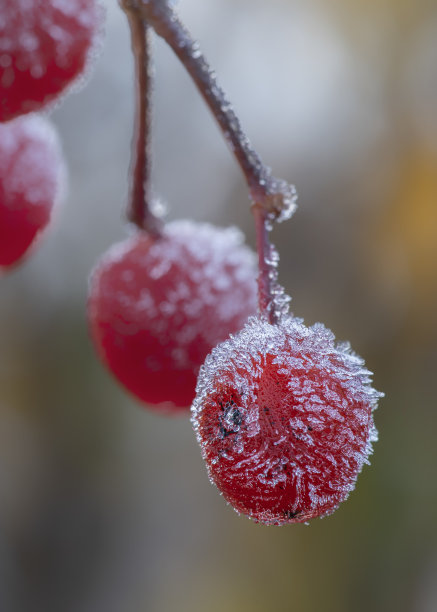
105 506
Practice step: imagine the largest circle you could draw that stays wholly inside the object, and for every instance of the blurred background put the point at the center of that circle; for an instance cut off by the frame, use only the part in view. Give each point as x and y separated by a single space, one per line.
105 506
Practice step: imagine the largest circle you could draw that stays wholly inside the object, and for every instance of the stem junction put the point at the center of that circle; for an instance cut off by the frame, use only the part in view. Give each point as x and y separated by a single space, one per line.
272 199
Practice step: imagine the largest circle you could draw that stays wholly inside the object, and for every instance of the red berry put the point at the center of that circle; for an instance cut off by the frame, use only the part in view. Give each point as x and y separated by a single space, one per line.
44 46
158 306
31 173
284 419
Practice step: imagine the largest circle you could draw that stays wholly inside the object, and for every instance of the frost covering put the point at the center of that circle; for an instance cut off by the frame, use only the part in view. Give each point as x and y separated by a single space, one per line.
32 172
283 415
157 307
44 46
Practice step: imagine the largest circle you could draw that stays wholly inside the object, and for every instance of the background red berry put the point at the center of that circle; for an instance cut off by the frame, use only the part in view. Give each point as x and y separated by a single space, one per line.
158 306
31 175
44 47
284 419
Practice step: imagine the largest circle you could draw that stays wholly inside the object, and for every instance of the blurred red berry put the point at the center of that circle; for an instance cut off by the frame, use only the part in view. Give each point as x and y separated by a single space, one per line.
157 307
44 46
284 419
31 173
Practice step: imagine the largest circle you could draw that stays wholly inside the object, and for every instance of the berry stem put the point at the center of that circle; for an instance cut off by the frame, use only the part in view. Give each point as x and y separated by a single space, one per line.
275 196
272 301
272 199
263 244
139 210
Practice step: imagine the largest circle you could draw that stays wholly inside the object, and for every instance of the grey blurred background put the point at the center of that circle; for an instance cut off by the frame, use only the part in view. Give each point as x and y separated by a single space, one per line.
105 506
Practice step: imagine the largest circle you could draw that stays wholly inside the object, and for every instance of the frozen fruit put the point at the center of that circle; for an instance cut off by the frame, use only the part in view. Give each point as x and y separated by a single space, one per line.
31 177
283 415
44 46
157 306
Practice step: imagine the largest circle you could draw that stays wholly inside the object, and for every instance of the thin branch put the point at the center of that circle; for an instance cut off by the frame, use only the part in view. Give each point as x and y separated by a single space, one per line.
273 302
276 196
139 209
272 199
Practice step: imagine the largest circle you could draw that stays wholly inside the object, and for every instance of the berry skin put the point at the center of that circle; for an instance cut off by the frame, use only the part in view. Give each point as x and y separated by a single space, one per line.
284 419
44 46
157 307
31 178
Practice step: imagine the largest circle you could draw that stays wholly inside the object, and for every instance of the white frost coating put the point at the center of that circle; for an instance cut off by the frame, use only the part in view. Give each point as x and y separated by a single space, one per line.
39 36
205 274
220 251
279 301
31 161
27 19
280 195
285 196
297 349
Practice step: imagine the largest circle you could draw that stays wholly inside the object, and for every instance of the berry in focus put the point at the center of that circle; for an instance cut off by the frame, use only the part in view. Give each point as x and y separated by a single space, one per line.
157 307
284 419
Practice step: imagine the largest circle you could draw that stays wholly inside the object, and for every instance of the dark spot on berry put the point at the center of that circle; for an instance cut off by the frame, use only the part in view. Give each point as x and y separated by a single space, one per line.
224 432
236 417
230 421
291 515
309 428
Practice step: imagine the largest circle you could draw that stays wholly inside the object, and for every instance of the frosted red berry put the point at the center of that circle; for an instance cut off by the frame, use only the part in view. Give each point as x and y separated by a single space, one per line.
284 419
157 307
44 46
31 176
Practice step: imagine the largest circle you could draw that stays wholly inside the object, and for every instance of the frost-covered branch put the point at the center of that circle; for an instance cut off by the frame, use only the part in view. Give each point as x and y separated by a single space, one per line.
139 205
275 196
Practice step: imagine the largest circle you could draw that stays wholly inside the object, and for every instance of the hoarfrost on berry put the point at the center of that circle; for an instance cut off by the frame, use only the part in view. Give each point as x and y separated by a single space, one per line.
45 46
283 415
158 306
32 172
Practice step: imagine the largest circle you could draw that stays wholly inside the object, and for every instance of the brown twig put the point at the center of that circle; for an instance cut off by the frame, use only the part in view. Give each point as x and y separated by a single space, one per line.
272 199
276 196
139 205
